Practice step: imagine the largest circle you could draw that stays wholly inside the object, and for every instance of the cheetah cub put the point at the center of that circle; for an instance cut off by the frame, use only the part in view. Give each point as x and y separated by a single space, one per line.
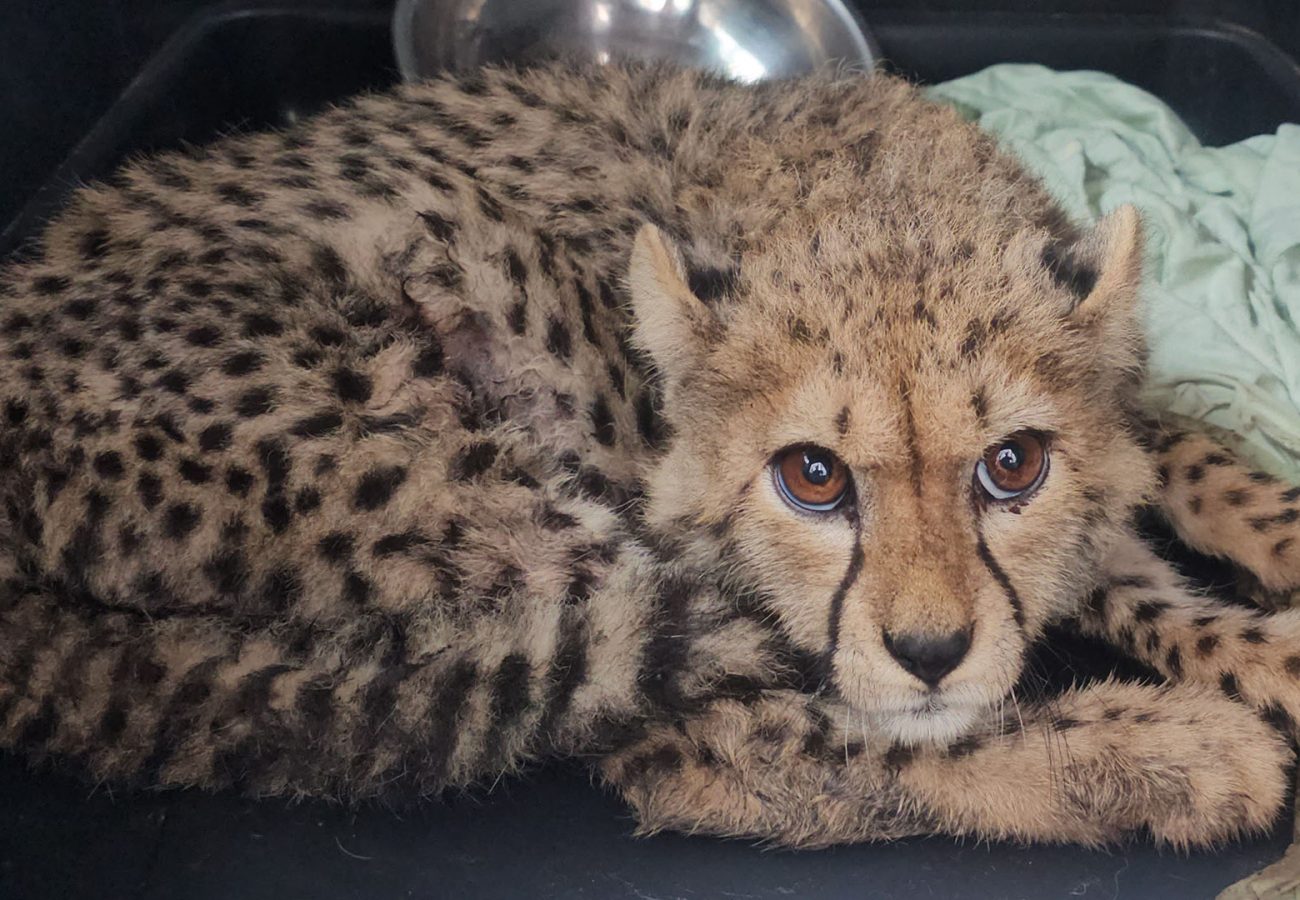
742 440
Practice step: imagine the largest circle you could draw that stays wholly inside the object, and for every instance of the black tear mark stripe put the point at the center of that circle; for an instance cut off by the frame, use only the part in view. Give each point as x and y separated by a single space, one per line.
986 556
851 575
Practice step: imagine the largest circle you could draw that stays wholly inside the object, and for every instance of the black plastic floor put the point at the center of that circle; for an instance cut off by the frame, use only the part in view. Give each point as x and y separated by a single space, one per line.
553 835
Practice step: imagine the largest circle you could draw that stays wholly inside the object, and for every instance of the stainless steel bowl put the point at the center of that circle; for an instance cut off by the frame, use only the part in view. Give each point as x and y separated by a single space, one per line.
749 40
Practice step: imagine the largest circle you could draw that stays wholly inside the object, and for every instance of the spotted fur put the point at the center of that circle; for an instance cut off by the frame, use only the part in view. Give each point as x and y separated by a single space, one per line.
432 435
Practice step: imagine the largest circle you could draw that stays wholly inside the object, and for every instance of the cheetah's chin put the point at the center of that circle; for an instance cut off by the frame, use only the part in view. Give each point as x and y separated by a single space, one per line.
929 724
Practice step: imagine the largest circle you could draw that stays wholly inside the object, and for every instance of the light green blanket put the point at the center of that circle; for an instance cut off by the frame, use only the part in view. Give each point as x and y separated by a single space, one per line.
1222 292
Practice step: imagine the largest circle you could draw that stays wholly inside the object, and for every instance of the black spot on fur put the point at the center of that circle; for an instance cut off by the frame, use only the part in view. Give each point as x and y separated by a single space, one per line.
194 471
109 465
489 206
281 590
357 588
328 335
1277 717
148 447
203 336
238 481
93 244
400 542
307 500
842 421
80 309
255 402
336 546
150 489
517 316
429 361
711 283
351 386
439 226
174 381
180 520
602 420
238 195
1149 610
510 698
649 422
554 519
15 412
1264 523
899 756
48 285
1174 663
474 460
921 313
215 437
558 339
261 325
377 487
329 210
318 425
241 364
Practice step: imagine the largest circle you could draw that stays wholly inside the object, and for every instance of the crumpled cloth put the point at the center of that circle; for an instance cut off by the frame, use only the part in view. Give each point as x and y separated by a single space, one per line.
1222 288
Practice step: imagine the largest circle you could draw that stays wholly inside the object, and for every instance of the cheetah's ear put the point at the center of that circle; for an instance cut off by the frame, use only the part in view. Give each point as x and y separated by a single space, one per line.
1104 272
1116 249
1110 260
671 324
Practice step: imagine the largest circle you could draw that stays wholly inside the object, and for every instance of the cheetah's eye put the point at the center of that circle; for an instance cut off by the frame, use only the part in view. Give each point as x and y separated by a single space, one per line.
1013 467
811 478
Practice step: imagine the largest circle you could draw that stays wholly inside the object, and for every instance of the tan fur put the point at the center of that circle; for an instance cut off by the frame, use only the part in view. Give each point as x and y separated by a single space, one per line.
434 436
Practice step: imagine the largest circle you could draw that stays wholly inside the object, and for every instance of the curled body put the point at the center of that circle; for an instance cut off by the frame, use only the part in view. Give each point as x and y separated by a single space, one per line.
743 439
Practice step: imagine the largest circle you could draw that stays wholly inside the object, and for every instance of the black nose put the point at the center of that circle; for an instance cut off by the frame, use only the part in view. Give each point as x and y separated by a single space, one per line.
929 657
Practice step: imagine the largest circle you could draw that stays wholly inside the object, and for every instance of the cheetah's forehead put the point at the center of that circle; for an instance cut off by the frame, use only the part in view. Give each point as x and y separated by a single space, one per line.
864 301
968 329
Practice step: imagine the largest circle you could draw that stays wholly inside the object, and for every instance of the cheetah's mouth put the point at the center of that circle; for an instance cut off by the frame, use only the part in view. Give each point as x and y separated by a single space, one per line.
933 719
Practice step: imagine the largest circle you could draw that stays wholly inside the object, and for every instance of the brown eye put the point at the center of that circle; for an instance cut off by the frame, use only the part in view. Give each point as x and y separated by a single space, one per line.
1013 467
811 478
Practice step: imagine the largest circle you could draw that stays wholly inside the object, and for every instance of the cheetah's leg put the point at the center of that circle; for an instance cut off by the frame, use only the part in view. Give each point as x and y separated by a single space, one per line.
1146 609
1098 764
1222 507
195 701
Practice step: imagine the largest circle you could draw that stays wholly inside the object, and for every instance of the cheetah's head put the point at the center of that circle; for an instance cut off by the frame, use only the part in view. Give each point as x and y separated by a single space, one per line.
915 445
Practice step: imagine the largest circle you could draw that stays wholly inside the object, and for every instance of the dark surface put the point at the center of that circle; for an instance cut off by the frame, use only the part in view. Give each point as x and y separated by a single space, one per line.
549 835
